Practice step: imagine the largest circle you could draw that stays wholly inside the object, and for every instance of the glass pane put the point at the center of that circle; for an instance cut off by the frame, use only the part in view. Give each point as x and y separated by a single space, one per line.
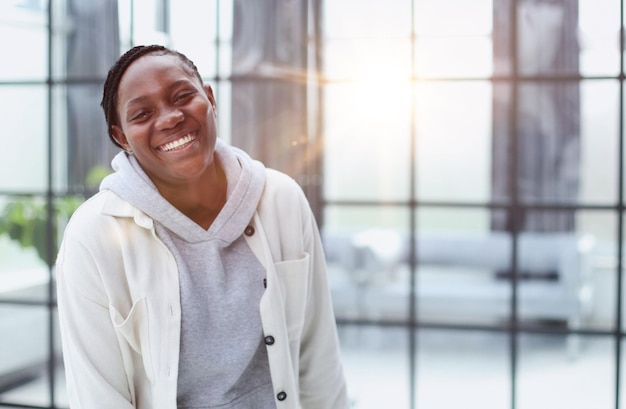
599 102
458 220
598 31
147 25
225 59
365 250
622 156
226 11
564 281
453 38
454 57
459 262
366 137
562 37
366 19
445 18
549 378
28 22
601 261
280 142
24 240
622 384
454 156
376 366
223 97
548 142
371 44
193 30
86 40
84 148
457 369
547 37
60 38
23 157
24 274
60 138
24 353
269 39
124 16
226 37
500 152
611 268
376 59
566 142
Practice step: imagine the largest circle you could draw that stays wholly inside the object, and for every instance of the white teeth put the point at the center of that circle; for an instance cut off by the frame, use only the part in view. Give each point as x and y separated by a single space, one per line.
177 143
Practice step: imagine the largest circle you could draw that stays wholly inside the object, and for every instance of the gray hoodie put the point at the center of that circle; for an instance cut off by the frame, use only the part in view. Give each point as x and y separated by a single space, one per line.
223 361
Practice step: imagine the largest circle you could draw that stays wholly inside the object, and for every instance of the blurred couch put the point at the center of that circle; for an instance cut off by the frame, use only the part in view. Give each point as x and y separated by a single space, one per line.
462 277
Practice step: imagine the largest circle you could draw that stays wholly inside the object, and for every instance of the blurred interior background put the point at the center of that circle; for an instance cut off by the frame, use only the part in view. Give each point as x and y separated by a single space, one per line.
464 160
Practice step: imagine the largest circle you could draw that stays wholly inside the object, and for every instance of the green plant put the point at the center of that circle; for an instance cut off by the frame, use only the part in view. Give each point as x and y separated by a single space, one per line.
95 175
25 219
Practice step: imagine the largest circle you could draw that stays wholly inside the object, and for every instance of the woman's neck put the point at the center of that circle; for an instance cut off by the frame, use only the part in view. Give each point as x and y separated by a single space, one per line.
202 199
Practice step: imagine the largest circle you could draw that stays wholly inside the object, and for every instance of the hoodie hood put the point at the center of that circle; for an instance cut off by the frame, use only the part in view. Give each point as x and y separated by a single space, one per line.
245 182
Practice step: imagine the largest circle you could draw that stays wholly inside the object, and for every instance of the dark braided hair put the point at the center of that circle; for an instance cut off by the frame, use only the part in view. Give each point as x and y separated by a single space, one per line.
112 83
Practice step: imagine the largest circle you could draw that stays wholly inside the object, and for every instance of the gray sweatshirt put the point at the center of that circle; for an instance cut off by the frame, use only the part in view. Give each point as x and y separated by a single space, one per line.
223 361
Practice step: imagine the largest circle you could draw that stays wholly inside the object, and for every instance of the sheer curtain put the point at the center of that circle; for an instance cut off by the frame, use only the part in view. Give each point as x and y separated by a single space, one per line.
269 90
547 148
93 44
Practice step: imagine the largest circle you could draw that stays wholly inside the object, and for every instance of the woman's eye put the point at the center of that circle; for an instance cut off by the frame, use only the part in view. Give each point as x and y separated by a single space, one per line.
139 116
183 97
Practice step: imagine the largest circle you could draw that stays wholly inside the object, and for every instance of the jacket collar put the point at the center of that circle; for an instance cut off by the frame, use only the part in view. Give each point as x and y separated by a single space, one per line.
117 207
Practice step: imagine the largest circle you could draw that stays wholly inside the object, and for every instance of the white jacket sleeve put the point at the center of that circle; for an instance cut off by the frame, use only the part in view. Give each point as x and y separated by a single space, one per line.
322 383
93 361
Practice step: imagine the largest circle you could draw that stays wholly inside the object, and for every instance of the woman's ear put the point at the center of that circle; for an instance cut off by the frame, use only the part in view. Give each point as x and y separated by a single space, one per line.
120 137
209 93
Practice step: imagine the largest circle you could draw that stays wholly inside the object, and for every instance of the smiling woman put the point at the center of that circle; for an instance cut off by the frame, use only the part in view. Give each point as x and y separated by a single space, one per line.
169 124
198 271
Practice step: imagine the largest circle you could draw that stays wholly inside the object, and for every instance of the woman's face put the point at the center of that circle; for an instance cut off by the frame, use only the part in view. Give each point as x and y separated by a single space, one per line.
167 119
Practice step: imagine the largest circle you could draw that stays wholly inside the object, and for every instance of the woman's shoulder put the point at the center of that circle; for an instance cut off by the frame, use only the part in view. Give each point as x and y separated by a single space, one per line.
284 196
279 179
279 183
283 192
96 212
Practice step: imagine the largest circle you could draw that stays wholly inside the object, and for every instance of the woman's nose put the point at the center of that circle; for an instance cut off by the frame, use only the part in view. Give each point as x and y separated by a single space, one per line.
170 118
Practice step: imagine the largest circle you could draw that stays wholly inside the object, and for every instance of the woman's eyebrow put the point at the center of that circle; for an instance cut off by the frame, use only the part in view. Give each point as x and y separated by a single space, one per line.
177 83
135 101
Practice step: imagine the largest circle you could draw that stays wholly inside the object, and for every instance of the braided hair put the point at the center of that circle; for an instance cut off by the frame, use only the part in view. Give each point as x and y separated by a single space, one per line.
112 83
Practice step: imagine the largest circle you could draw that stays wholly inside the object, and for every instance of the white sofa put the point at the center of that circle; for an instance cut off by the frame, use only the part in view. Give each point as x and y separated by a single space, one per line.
461 277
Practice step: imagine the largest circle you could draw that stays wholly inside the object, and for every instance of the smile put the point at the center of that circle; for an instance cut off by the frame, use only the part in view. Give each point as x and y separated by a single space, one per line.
177 144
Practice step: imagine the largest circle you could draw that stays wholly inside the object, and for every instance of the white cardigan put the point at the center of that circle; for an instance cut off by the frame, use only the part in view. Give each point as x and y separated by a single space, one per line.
119 305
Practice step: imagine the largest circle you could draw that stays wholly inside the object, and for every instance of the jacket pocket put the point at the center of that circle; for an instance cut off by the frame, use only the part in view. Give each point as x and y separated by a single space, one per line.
134 329
293 276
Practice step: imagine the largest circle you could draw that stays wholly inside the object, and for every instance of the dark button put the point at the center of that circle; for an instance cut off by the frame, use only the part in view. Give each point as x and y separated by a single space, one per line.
249 231
281 396
269 340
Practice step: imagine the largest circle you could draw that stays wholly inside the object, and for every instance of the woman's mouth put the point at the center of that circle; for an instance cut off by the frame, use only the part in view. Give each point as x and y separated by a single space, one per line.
177 144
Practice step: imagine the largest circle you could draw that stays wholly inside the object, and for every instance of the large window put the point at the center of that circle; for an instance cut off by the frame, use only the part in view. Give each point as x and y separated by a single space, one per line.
473 200
465 160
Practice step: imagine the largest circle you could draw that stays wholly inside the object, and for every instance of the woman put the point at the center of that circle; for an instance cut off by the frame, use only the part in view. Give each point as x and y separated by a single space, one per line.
195 278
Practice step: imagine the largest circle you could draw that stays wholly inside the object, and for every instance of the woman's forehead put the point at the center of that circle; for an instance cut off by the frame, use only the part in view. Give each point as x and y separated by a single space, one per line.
154 70
152 76
157 65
